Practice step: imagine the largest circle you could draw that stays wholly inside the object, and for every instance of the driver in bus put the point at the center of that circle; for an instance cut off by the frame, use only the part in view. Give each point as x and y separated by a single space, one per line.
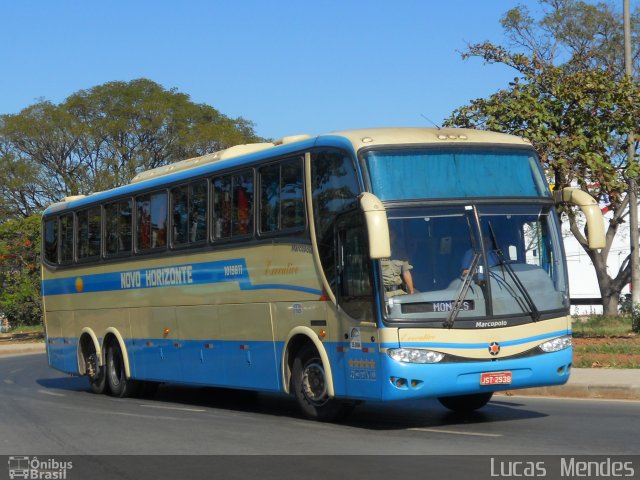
396 274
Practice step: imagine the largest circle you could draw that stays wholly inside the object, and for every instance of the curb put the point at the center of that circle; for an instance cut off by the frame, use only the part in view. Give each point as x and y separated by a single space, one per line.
21 336
22 349
609 392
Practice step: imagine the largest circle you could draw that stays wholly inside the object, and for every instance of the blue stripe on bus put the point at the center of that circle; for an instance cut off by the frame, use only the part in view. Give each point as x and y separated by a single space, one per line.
225 271
257 366
506 343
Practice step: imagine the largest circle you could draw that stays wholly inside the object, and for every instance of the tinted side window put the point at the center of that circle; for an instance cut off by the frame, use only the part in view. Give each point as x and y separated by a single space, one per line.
355 292
335 189
89 233
151 221
50 239
189 213
118 220
292 192
233 205
282 197
270 198
66 238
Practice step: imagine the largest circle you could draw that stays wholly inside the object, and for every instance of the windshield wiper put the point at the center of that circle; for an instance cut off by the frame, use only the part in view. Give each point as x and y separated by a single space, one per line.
462 291
466 281
533 310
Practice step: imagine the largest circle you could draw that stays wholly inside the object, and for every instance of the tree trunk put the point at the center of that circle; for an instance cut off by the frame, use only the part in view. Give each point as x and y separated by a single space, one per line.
610 304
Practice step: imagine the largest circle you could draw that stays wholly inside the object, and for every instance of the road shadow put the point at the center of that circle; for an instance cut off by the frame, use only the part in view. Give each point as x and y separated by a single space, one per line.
75 384
429 413
398 415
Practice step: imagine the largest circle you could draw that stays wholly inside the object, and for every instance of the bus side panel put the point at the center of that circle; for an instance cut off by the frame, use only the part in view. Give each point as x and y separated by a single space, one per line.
155 344
202 353
67 344
55 343
248 345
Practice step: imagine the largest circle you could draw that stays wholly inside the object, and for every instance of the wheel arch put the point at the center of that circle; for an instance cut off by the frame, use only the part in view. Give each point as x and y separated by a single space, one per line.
87 340
113 333
297 338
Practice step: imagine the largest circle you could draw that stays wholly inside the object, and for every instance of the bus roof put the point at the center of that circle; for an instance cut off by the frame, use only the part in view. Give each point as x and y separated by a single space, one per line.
241 154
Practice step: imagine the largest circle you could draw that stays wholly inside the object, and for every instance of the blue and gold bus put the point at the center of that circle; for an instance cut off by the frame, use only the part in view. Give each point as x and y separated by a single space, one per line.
380 264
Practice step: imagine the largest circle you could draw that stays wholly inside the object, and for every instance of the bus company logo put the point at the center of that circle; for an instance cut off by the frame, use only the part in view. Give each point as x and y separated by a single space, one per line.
35 469
494 348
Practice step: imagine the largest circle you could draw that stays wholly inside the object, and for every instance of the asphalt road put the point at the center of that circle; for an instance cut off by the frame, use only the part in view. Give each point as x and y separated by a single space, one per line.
43 411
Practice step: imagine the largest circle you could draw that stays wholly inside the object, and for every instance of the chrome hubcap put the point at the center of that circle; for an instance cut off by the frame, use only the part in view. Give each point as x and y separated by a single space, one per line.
314 385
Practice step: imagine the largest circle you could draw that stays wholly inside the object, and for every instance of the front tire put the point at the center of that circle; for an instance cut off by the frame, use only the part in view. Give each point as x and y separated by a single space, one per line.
119 384
466 403
310 388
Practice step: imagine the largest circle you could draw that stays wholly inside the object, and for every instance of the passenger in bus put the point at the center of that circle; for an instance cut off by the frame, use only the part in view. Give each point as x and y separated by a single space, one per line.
492 258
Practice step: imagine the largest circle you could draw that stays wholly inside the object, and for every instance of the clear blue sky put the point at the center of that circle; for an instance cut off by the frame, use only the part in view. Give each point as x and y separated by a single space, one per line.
289 66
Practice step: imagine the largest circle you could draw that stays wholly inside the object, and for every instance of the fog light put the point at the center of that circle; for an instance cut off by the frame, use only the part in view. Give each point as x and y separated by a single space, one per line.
556 344
415 355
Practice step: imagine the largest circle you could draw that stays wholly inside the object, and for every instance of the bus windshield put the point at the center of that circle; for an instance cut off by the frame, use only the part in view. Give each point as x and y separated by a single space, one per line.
510 256
454 173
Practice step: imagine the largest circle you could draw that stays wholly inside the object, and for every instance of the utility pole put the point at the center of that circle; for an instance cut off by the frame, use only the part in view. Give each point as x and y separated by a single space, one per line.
631 154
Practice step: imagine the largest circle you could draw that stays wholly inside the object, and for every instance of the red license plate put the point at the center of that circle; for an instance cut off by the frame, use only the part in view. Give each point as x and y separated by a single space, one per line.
495 378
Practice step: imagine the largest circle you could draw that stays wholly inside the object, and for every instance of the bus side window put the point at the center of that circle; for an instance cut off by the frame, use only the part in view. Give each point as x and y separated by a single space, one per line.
180 215
221 207
189 213
270 198
198 211
66 238
335 189
152 220
51 240
354 269
281 197
233 205
89 233
243 204
292 194
118 227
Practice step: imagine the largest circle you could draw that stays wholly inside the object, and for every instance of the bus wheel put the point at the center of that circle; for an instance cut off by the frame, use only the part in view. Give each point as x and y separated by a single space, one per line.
119 384
96 374
310 388
466 403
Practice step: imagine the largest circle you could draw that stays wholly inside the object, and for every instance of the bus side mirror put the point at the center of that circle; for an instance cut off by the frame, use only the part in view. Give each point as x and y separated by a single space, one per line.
375 216
591 210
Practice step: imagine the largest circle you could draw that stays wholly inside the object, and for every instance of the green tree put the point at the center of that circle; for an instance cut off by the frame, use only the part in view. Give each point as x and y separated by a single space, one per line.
95 140
577 112
20 271
101 138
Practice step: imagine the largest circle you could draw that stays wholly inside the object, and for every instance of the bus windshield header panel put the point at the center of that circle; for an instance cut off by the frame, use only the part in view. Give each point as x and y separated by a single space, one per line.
420 173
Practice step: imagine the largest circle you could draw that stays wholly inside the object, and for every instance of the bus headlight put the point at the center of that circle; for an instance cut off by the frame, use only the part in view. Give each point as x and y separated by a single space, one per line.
556 344
415 355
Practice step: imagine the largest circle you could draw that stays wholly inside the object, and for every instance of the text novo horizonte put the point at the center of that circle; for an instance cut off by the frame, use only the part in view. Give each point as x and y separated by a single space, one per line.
157 277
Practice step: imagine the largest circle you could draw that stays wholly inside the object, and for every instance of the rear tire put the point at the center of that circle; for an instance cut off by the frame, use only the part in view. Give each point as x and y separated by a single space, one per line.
466 403
96 374
119 384
310 388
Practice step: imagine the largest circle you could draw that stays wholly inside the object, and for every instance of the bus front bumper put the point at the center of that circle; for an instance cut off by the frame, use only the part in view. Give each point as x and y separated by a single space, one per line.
402 381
